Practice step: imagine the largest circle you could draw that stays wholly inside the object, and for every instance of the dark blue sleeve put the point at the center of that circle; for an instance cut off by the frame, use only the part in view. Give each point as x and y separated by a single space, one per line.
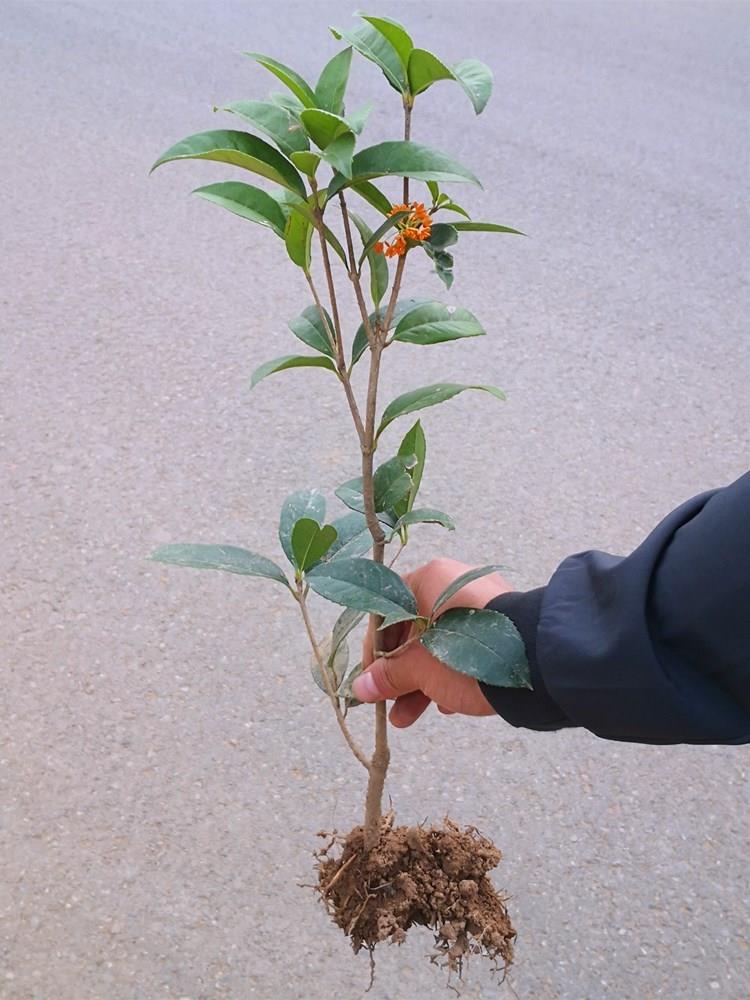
650 648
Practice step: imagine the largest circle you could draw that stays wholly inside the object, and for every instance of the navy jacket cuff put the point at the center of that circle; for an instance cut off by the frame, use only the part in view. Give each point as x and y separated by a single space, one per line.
519 706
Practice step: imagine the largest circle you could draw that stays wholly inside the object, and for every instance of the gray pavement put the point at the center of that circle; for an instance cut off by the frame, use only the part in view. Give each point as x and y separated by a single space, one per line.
164 759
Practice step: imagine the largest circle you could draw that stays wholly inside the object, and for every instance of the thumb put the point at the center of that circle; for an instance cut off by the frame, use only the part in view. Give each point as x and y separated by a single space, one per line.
387 678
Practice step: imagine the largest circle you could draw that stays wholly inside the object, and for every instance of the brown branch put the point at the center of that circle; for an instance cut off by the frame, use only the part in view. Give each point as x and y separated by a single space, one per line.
354 271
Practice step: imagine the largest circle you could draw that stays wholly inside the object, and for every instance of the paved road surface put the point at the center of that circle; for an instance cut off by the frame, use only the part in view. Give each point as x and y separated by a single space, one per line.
164 761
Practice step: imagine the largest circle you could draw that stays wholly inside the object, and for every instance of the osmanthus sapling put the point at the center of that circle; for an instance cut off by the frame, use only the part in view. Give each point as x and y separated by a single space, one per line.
315 164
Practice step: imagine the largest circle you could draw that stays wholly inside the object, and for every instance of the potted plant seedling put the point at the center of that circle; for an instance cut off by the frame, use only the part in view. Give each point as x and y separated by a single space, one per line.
321 201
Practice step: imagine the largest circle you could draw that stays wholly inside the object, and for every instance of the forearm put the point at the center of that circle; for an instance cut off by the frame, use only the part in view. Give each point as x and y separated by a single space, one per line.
648 648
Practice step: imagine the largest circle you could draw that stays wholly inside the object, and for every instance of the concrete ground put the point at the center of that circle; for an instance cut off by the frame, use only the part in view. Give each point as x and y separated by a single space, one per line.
164 759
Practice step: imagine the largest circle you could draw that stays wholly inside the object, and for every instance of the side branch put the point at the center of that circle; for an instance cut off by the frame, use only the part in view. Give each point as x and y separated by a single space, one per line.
353 746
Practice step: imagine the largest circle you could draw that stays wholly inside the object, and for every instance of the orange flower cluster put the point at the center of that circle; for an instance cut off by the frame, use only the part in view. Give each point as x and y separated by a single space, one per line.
415 226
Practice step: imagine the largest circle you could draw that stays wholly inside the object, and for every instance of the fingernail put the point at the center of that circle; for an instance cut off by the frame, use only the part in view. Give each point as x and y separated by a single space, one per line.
364 688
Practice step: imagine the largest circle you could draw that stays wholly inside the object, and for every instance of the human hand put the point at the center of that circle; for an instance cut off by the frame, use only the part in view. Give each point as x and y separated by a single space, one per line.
415 677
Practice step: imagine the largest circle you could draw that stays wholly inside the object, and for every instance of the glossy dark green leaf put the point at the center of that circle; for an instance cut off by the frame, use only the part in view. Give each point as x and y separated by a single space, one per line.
379 273
277 123
392 482
340 154
298 234
426 69
372 195
302 503
443 264
323 126
413 443
484 227
359 345
425 515
290 361
331 86
428 395
247 201
468 577
289 77
241 150
434 323
451 206
227 558
365 585
476 79
310 328
395 33
370 43
353 536
442 235
350 494
484 644
404 159
306 161
310 541
434 189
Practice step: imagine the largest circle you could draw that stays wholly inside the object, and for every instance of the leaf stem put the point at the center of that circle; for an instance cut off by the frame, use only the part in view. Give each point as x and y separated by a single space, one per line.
353 746
354 271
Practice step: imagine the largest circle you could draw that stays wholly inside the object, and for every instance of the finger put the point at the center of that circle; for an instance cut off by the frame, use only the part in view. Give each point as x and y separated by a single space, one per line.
408 708
390 677
446 711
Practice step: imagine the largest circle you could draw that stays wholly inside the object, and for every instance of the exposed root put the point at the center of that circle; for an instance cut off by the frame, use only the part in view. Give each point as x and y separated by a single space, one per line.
433 877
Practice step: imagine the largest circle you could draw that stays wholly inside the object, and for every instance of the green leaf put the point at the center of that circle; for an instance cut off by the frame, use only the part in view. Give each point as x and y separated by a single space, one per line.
426 69
340 154
390 223
336 662
331 86
371 195
392 482
379 273
482 227
468 577
357 119
289 102
434 190
413 443
483 644
476 79
289 77
434 323
298 238
310 329
290 361
239 149
365 585
424 515
442 235
393 32
353 536
428 395
247 201
276 122
302 503
345 690
323 126
350 494
227 558
359 345
451 206
345 624
306 161
371 44
404 159
310 542
443 264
